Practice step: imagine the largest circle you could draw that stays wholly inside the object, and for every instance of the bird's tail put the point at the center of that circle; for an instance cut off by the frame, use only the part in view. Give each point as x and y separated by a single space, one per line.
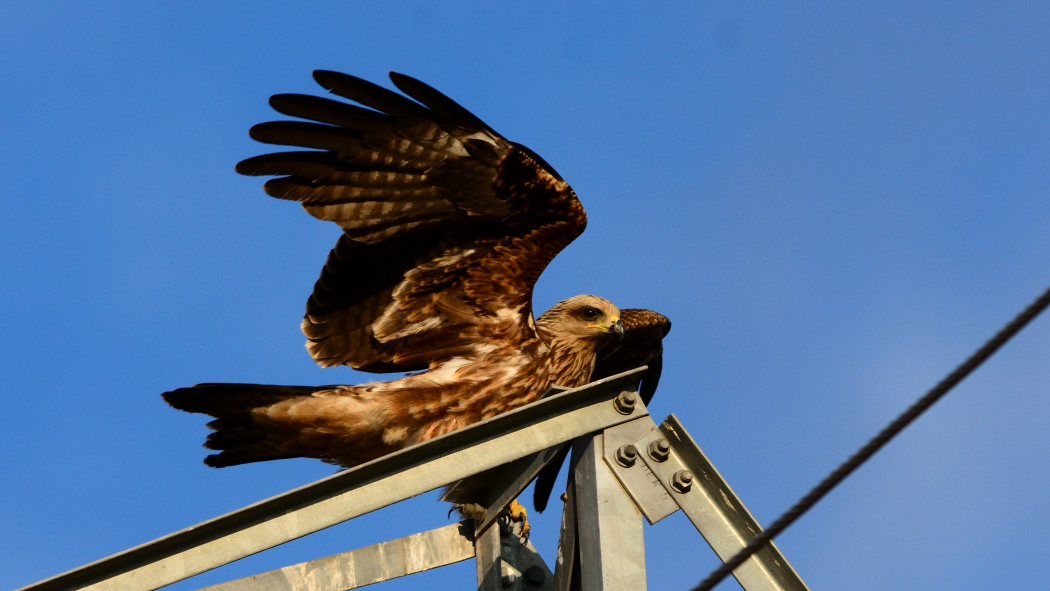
239 438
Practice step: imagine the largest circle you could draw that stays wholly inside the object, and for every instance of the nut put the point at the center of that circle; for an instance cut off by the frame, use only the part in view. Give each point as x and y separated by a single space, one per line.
625 402
682 481
626 455
535 576
659 450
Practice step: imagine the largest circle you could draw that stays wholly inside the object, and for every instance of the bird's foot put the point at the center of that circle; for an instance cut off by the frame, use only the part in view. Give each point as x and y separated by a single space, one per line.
469 510
513 518
516 515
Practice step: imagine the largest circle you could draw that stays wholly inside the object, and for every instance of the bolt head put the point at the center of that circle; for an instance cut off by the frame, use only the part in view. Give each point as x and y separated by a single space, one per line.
626 455
659 450
625 402
682 481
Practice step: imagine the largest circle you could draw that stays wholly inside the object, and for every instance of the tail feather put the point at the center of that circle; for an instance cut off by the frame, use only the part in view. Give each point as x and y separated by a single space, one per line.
237 437
259 451
231 400
229 433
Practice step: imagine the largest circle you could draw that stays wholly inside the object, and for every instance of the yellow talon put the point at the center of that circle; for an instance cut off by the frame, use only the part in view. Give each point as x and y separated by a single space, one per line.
517 514
513 513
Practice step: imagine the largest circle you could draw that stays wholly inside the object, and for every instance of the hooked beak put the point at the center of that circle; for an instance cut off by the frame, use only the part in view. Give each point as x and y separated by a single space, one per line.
614 325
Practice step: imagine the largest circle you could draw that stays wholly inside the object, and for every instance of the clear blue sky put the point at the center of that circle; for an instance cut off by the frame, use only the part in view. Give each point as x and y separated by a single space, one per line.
835 203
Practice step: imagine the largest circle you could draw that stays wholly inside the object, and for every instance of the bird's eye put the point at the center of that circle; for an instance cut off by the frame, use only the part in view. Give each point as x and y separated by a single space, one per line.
590 313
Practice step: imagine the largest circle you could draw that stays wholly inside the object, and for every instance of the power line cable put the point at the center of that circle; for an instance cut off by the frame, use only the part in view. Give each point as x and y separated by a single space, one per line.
888 433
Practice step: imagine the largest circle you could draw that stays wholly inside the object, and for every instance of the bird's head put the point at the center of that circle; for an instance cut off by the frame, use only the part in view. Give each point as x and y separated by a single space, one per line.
585 318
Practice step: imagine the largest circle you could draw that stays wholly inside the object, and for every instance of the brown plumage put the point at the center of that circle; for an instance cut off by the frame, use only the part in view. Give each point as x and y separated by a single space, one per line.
642 344
446 228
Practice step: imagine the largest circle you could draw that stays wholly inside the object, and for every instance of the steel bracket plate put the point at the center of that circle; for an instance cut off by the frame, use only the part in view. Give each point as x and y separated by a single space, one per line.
637 479
715 510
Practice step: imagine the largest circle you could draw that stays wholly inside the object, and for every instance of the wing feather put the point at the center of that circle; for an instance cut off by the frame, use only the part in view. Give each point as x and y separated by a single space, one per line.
446 224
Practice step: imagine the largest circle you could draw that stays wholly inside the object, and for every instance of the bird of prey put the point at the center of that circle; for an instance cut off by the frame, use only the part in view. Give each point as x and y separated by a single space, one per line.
446 228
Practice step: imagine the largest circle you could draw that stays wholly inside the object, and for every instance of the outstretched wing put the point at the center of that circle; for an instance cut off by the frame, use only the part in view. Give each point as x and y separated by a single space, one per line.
644 331
446 224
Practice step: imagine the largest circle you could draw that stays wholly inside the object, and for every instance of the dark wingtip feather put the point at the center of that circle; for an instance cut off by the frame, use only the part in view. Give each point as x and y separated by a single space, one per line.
369 94
302 134
286 163
329 79
255 166
325 110
436 101
261 132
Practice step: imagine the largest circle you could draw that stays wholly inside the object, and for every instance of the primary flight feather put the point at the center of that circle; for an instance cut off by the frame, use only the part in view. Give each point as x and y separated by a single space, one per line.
446 228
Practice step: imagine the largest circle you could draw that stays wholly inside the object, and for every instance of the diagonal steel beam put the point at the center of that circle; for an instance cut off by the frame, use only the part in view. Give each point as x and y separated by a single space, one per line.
354 492
715 510
364 566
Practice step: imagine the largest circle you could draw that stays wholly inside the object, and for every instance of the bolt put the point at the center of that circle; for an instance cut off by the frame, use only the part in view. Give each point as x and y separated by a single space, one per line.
535 576
509 578
682 481
625 402
626 455
659 450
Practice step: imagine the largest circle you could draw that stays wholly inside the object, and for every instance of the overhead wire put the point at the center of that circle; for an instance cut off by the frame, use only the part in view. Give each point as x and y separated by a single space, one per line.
881 439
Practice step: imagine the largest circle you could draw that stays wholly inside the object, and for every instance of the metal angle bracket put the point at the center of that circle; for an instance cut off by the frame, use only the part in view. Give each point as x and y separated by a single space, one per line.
711 505
644 487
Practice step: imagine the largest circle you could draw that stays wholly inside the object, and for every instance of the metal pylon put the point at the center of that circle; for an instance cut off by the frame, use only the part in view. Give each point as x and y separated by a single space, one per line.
624 468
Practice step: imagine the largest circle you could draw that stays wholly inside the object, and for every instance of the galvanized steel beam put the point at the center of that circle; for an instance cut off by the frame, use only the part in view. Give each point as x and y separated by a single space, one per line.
715 510
372 564
566 566
609 526
489 560
354 492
